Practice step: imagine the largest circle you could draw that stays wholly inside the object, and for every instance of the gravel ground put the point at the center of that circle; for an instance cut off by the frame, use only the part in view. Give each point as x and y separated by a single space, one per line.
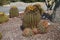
11 31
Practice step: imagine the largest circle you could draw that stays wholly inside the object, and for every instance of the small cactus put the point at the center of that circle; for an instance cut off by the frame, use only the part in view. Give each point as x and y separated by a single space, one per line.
41 28
14 12
3 17
44 23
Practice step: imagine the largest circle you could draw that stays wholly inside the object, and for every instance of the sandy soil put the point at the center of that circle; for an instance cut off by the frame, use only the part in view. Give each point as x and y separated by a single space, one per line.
11 31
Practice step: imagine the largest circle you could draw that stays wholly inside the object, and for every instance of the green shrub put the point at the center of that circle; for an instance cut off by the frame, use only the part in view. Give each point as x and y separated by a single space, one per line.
3 17
14 12
31 17
3 2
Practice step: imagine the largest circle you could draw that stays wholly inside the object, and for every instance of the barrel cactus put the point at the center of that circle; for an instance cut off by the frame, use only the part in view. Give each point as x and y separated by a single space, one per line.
3 17
31 17
14 12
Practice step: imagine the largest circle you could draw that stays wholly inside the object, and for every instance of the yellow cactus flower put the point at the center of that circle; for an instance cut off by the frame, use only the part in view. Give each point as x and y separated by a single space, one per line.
30 7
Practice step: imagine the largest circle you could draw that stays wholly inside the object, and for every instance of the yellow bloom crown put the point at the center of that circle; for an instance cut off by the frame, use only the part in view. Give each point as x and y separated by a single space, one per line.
31 7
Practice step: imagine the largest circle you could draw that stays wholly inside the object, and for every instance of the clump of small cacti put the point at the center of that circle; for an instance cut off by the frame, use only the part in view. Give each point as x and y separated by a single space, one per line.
32 20
3 17
31 17
14 12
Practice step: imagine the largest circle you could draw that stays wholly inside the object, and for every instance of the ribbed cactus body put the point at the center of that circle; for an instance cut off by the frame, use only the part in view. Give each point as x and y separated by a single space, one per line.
31 18
14 12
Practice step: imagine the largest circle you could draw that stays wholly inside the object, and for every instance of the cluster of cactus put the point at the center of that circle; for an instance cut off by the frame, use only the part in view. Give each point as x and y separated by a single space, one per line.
31 17
14 12
32 20
3 17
